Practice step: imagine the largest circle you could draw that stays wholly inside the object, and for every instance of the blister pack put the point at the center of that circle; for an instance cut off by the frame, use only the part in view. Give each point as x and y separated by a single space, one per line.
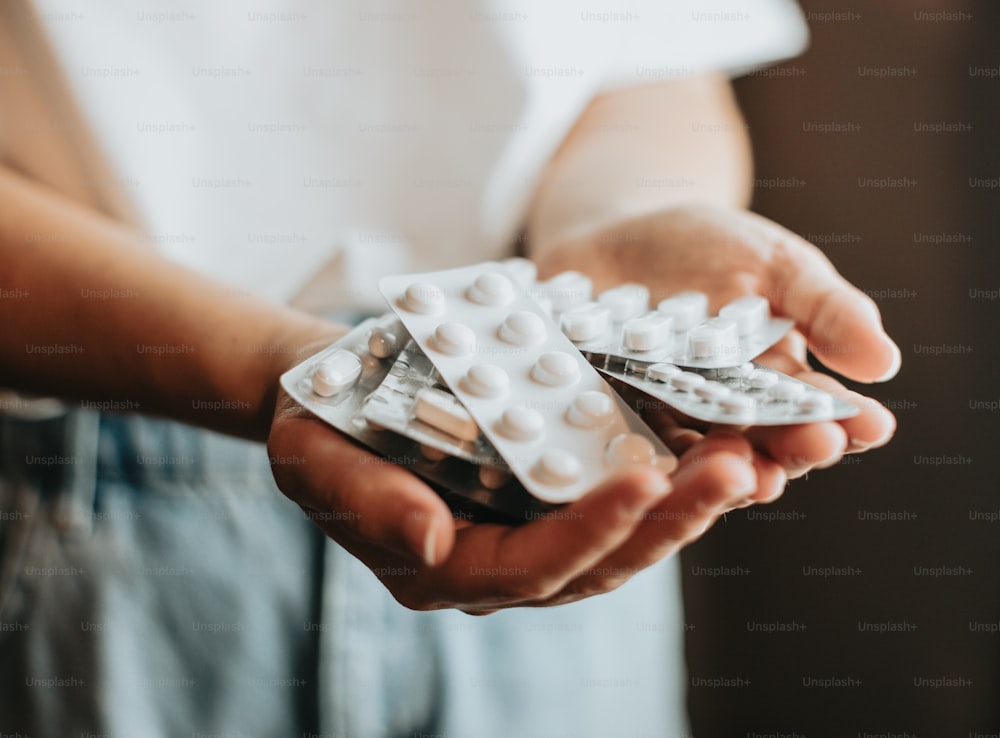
680 331
412 402
335 384
746 394
555 421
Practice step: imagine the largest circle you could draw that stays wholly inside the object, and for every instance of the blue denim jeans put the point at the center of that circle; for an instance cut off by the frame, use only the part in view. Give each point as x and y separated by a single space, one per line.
154 582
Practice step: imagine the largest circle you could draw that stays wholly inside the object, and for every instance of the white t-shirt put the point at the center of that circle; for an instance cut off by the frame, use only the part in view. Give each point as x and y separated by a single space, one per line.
258 141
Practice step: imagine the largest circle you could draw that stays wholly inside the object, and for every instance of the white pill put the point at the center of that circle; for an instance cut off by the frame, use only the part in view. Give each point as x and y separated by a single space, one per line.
736 372
423 298
648 333
591 409
686 381
715 338
737 404
662 372
630 448
520 423
567 290
493 477
486 380
386 341
585 322
558 468
522 329
786 391
750 313
686 308
626 301
712 391
454 339
815 402
335 373
556 369
761 379
522 270
442 411
491 289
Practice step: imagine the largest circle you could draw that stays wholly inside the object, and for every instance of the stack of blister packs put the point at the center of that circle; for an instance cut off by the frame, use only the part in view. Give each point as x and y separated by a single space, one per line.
488 384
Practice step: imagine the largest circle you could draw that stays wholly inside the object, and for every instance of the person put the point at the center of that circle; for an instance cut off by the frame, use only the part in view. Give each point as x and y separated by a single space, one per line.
277 160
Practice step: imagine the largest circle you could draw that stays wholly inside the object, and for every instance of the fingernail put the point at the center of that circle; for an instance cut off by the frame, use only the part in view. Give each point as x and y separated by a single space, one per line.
897 362
420 535
430 543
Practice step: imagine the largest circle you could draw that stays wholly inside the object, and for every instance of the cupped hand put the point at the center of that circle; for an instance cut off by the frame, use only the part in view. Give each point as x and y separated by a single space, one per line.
728 253
394 523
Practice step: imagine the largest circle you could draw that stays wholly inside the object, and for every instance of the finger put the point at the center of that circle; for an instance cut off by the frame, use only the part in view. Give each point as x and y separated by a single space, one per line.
771 480
666 425
351 492
709 483
790 350
494 565
870 428
840 322
799 448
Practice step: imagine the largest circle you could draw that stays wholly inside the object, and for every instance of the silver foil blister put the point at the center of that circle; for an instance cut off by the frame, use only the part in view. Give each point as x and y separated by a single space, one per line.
747 394
456 479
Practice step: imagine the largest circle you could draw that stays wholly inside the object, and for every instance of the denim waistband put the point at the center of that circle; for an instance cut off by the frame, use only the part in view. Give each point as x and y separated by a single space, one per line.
64 459
55 457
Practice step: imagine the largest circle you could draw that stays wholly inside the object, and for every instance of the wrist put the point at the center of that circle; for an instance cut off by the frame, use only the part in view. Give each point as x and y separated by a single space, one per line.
296 338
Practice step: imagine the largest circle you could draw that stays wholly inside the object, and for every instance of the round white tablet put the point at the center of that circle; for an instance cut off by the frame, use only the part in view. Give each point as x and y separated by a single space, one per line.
424 298
625 301
487 381
567 290
714 339
651 332
750 313
454 339
585 322
385 342
556 369
520 423
686 381
335 373
712 391
591 409
558 468
522 329
686 308
662 372
786 390
630 448
491 289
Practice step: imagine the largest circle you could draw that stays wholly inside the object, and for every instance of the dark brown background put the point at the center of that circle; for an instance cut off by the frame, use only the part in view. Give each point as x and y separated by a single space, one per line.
934 397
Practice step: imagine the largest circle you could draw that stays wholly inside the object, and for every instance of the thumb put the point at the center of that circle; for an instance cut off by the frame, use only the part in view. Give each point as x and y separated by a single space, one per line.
840 322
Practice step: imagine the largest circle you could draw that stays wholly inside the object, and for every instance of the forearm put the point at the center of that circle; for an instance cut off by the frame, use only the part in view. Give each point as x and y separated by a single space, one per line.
643 149
91 314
